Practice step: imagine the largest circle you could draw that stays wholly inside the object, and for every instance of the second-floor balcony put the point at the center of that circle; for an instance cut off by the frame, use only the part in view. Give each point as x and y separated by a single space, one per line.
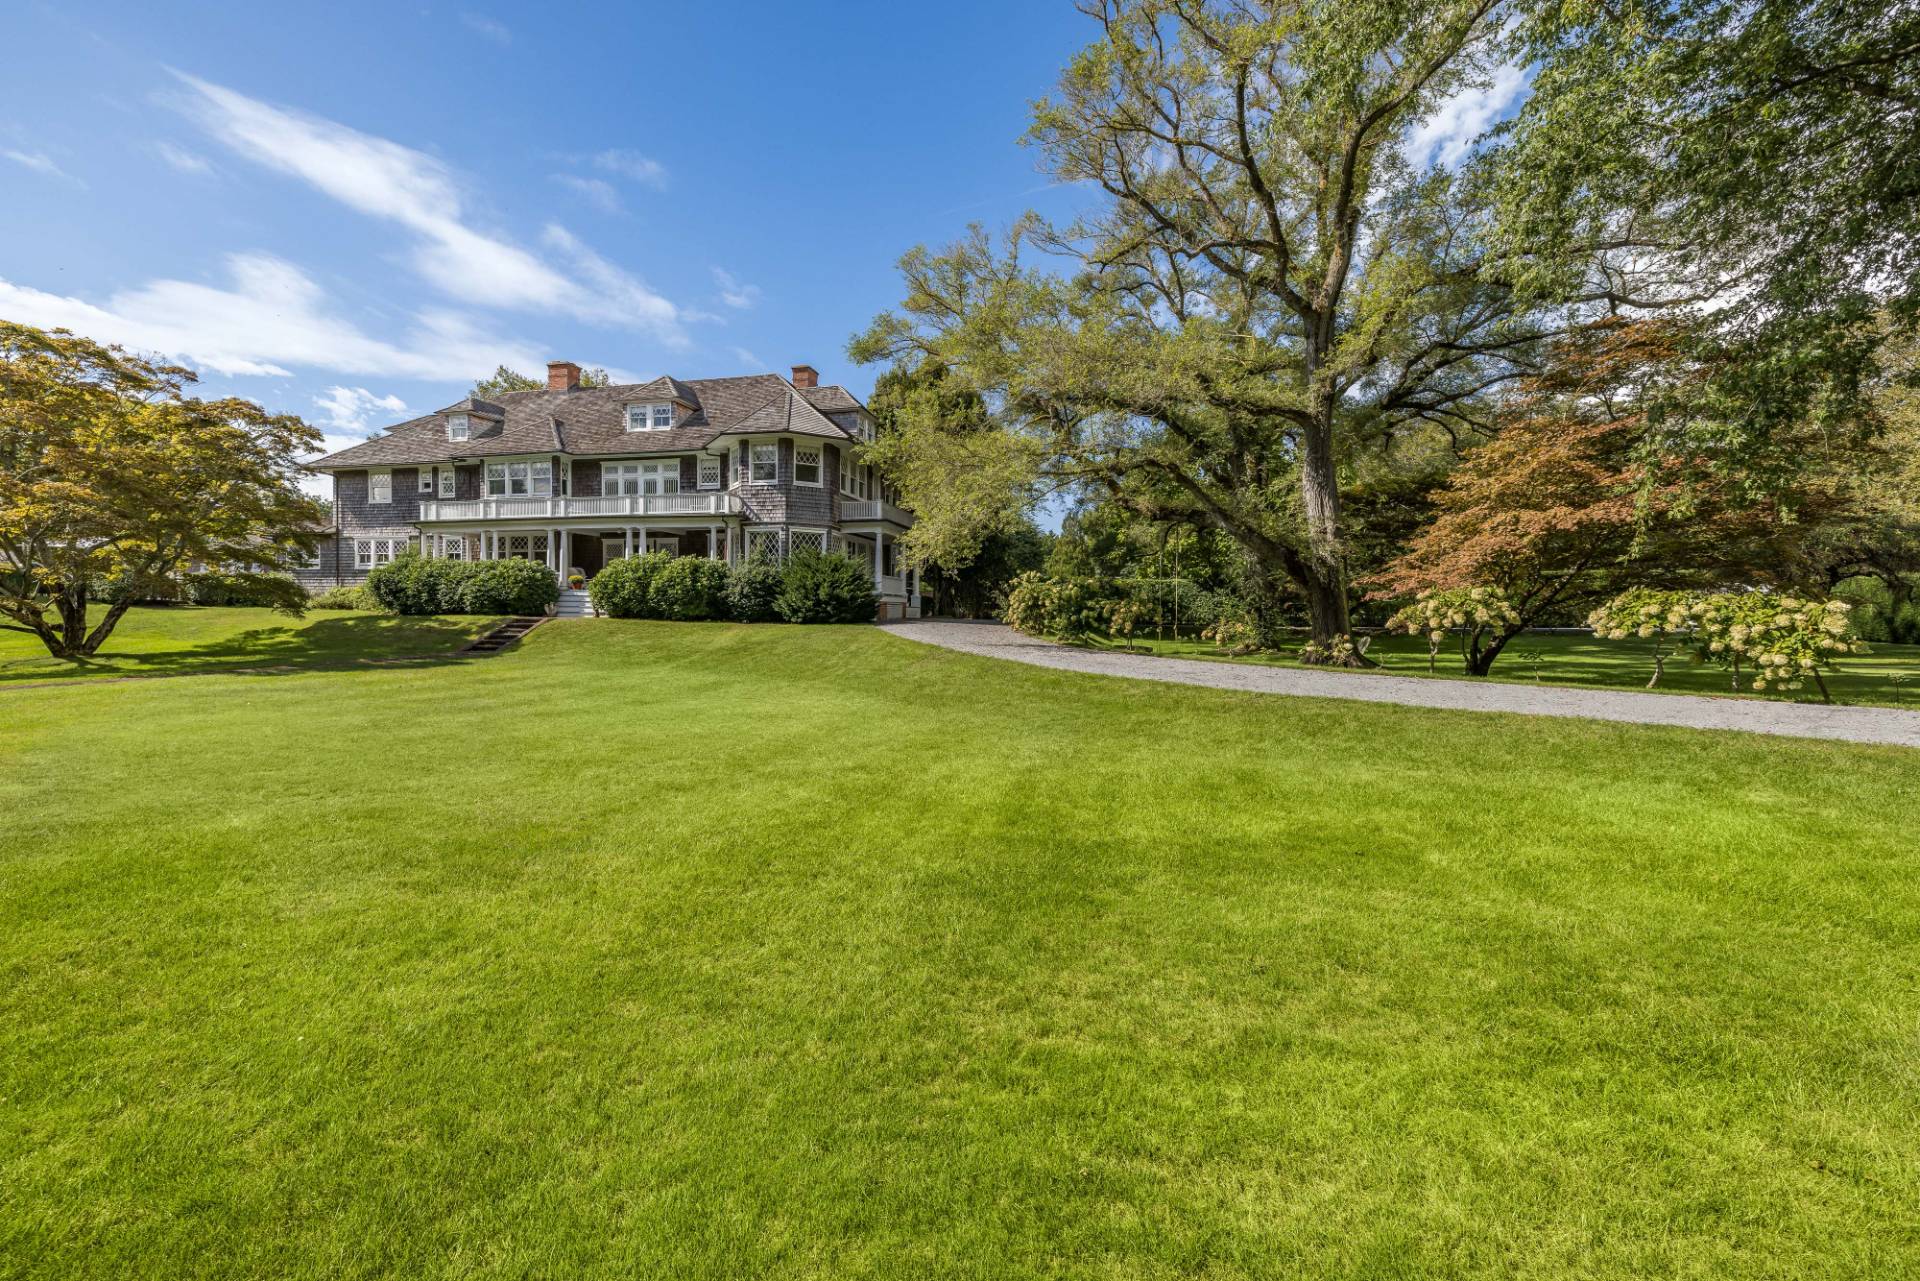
707 504
874 509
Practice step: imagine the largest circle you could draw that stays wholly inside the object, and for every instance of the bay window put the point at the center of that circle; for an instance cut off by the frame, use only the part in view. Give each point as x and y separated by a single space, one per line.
766 464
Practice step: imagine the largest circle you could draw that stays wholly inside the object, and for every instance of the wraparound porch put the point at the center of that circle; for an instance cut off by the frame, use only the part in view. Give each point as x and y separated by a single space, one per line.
568 548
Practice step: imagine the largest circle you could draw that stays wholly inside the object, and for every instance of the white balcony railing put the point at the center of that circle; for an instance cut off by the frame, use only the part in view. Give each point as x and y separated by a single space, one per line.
874 509
714 504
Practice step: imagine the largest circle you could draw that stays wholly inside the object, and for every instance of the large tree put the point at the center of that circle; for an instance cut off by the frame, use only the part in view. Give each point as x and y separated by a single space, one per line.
1271 291
1563 509
1768 148
112 480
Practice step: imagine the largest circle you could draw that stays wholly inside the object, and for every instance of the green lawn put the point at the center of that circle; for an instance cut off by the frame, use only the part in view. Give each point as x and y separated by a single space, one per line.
710 951
188 640
1889 676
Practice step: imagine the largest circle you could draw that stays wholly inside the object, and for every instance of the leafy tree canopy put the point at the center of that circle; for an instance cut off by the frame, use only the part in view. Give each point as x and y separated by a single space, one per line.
505 380
113 479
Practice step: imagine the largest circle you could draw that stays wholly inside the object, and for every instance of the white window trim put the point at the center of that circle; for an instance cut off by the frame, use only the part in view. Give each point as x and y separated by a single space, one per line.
753 462
700 472
367 551
662 467
385 473
507 467
647 414
446 482
426 480
746 542
821 534
459 427
819 466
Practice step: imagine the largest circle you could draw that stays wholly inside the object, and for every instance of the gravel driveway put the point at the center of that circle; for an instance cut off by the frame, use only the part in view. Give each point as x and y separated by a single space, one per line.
1888 725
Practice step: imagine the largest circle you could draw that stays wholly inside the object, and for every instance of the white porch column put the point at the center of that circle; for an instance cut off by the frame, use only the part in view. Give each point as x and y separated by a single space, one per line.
879 558
713 542
628 532
426 545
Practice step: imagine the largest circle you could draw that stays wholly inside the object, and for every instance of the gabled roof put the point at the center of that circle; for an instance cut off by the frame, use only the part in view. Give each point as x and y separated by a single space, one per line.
831 399
592 421
476 406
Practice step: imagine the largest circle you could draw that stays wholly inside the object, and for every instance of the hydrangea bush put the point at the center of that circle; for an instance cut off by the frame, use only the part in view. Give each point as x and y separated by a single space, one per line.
1783 641
1065 609
1648 613
1767 642
1471 611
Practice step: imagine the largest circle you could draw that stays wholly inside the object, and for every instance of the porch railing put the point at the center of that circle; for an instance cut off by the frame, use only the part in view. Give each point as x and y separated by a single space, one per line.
713 504
874 509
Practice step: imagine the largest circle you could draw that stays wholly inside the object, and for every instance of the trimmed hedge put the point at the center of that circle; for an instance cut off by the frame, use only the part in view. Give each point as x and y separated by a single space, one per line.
344 598
272 591
689 590
411 585
829 588
751 589
508 587
624 589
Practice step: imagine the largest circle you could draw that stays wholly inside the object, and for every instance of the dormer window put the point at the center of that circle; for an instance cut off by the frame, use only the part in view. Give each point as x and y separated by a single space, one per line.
657 417
458 427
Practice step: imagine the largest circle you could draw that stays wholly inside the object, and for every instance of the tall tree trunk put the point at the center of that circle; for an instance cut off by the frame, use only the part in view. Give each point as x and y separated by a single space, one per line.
1326 578
70 602
1481 663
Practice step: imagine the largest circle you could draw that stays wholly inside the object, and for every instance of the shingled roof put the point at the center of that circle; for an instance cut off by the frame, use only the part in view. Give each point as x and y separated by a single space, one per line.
592 422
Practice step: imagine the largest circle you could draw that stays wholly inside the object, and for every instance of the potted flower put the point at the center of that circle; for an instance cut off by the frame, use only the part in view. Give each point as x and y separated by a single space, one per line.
576 580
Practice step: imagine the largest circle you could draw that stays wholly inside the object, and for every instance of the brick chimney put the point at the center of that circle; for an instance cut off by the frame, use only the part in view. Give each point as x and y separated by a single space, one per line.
806 376
562 375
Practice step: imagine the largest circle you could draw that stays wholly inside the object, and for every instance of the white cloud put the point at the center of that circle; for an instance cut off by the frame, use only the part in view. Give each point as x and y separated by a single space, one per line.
735 293
388 181
1446 137
351 409
633 165
596 191
269 319
489 28
41 163
746 357
617 291
182 159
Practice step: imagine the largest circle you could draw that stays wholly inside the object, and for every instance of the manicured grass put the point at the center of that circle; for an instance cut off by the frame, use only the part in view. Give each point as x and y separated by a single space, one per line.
713 951
1888 677
188 640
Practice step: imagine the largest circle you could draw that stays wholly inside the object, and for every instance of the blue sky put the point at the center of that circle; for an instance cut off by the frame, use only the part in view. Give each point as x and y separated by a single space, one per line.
351 211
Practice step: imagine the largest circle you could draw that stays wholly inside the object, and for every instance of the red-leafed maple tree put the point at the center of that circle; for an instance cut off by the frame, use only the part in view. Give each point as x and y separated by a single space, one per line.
1560 510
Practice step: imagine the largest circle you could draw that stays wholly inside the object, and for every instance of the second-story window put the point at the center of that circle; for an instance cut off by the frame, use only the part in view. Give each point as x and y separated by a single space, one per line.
426 480
519 480
806 466
640 478
458 427
446 482
380 487
709 473
766 464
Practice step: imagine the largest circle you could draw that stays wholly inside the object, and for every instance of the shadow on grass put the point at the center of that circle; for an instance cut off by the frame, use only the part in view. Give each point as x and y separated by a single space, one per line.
327 643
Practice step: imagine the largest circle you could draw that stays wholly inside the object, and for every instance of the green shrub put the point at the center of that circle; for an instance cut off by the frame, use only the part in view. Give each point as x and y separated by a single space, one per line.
624 589
273 591
751 590
344 598
1067 609
410 584
690 589
521 587
830 588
